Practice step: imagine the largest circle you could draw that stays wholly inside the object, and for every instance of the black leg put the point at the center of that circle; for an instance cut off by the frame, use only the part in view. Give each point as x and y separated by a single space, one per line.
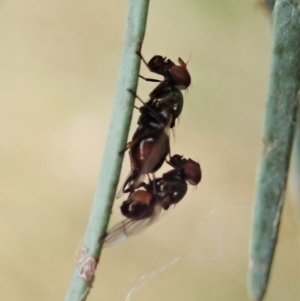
139 53
150 79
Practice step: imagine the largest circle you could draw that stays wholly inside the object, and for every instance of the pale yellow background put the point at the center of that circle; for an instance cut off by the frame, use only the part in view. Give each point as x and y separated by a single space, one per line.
58 69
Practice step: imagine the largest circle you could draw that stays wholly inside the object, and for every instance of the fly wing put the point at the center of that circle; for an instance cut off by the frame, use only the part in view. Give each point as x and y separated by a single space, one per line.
121 191
128 227
150 163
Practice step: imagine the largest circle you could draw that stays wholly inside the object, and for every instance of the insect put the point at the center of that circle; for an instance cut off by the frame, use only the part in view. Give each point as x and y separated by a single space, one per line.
150 143
146 204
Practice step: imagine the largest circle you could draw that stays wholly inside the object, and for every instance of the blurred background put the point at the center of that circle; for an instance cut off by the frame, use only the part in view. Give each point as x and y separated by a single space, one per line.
58 70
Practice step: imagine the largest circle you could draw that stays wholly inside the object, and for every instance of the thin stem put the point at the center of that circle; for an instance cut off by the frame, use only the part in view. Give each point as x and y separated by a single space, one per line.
112 161
296 159
270 4
278 134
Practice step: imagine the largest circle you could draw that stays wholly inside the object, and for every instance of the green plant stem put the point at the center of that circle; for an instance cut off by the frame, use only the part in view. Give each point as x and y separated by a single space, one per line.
278 133
112 162
296 159
270 4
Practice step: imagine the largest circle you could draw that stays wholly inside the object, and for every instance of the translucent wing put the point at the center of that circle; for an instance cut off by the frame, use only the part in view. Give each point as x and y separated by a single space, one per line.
120 192
128 227
150 163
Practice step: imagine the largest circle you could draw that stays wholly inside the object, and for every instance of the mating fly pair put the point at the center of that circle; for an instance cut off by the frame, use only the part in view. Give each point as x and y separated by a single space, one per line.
149 149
